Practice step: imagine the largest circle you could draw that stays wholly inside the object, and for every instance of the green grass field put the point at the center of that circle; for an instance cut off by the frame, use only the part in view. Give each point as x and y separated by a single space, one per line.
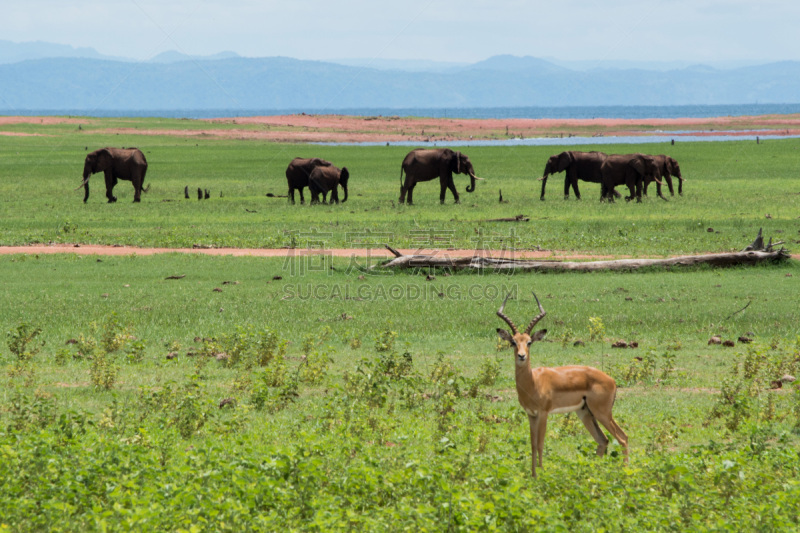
731 188
314 394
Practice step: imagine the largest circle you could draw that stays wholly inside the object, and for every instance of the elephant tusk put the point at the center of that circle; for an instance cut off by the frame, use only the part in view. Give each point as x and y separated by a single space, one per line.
85 181
477 178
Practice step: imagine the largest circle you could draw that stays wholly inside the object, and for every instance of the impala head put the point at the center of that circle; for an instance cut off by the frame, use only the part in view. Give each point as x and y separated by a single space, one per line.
521 341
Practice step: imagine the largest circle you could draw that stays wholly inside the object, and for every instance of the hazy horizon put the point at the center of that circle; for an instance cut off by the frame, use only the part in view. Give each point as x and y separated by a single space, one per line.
684 31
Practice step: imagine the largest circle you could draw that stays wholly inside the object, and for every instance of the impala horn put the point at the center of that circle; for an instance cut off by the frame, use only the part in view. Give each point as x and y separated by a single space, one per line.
505 318
537 318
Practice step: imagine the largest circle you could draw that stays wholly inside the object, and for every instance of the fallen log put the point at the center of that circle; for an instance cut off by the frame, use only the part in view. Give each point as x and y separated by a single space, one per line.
518 218
718 260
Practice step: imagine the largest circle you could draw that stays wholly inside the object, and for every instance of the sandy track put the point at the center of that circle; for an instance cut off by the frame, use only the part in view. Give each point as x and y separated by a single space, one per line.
98 249
348 129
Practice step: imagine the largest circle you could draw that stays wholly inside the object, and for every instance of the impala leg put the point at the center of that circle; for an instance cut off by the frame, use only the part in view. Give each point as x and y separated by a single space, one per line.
533 421
594 430
541 431
611 425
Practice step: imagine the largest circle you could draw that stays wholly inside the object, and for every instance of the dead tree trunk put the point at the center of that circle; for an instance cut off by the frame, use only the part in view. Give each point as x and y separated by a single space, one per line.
749 257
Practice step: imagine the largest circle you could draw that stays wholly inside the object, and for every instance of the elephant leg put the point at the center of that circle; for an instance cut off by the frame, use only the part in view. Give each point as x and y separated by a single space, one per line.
137 190
452 187
110 182
575 189
443 189
567 183
410 199
658 192
302 198
291 195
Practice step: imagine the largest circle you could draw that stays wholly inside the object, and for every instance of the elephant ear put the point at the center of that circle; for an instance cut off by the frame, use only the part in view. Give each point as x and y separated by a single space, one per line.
637 163
458 162
344 175
102 159
565 160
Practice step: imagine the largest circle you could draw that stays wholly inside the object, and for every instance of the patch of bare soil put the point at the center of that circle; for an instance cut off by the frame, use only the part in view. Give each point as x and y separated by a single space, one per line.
97 249
351 129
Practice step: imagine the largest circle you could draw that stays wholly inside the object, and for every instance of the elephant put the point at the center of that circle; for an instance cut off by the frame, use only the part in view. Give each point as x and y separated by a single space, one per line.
631 170
324 179
578 166
297 174
117 163
667 168
426 164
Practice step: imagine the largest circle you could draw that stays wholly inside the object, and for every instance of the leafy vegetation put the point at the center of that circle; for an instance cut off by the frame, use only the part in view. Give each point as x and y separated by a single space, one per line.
308 393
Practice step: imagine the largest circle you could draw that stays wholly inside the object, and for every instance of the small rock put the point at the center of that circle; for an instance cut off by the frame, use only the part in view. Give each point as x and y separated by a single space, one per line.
71 341
362 278
728 343
745 340
633 344
217 289
430 278
104 295
620 344
579 343
716 339
788 378
277 278
776 384
227 402
710 230
172 355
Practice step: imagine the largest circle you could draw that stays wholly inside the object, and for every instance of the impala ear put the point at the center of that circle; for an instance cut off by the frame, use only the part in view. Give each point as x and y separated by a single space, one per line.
506 336
539 335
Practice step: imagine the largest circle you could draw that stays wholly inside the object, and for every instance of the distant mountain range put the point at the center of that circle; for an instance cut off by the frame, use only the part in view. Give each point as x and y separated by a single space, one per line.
43 76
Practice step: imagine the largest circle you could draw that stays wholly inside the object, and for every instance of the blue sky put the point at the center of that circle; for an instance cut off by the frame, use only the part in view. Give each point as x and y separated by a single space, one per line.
439 30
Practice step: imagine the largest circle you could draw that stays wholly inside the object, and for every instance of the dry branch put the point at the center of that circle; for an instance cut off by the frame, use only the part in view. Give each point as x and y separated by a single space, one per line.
750 257
518 218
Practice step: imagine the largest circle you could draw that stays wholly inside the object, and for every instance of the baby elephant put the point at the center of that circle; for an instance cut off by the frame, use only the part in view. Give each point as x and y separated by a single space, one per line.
324 179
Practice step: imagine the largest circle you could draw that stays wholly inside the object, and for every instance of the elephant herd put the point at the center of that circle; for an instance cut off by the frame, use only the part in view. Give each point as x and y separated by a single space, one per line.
636 171
321 176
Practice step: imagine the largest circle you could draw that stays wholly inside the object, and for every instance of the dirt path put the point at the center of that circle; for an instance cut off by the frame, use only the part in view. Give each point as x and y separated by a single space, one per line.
375 253
98 249
348 129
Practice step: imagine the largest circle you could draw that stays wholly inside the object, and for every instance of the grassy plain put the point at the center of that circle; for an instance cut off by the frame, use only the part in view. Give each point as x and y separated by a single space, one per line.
733 188
335 398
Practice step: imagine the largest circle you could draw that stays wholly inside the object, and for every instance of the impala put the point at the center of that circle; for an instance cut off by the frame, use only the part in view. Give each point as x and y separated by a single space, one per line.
564 389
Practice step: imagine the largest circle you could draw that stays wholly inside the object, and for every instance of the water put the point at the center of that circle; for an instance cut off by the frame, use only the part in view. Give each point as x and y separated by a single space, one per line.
574 141
584 112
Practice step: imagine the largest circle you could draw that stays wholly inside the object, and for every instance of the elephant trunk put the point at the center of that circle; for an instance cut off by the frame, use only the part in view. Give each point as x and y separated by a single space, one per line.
343 177
85 185
543 179
471 186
